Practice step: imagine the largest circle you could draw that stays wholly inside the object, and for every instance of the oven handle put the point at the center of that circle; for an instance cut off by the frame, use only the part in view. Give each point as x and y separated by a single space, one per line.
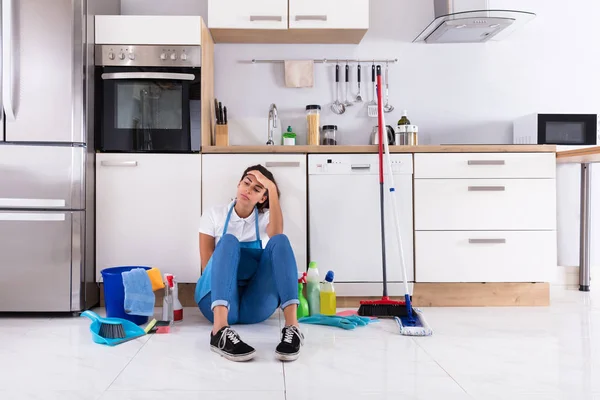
149 75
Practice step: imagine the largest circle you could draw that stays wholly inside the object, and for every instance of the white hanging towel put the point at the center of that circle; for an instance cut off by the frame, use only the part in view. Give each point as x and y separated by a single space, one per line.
299 73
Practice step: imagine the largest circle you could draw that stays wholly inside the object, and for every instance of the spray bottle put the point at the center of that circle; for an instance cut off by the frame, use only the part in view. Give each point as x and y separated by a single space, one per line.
312 289
167 311
177 307
303 306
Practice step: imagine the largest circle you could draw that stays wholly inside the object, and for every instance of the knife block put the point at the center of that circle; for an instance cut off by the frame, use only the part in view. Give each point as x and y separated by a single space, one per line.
222 135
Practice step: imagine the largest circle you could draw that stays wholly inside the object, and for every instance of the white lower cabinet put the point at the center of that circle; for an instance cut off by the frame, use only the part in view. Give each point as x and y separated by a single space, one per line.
147 212
485 256
487 217
221 174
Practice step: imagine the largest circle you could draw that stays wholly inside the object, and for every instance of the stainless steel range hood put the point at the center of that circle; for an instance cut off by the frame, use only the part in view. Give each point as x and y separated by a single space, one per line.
471 21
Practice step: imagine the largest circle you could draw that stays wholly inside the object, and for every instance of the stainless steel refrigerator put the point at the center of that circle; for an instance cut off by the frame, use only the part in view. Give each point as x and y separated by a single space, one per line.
47 155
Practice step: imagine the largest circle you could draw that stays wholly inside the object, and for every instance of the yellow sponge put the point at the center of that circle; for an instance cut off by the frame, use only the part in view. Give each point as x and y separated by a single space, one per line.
156 279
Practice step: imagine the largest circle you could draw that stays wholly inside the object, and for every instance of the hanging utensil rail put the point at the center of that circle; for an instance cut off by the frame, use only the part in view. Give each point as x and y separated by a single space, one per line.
333 60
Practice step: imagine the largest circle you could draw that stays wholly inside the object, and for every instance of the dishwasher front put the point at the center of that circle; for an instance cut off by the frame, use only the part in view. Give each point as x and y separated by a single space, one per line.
344 221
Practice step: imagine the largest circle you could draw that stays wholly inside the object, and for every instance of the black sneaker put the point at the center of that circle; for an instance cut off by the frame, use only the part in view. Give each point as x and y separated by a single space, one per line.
291 340
228 344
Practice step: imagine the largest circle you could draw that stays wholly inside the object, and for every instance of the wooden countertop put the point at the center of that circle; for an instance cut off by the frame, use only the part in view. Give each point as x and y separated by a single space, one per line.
374 148
587 155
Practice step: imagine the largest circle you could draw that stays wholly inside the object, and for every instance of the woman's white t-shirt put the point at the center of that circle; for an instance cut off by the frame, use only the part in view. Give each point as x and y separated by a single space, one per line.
212 223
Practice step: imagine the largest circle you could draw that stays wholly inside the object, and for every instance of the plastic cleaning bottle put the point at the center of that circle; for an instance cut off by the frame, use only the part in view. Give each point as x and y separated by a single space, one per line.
312 289
303 310
177 307
167 311
328 299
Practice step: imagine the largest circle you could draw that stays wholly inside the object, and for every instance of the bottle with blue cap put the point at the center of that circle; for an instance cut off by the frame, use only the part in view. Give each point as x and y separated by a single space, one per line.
328 299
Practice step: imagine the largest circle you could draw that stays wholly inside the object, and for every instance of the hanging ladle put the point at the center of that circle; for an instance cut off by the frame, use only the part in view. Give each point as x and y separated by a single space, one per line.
337 107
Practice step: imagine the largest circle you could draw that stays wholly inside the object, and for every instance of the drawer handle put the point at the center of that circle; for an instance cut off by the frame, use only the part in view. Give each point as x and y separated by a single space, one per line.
266 18
272 164
487 241
486 162
119 163
360 166
311 17
487 188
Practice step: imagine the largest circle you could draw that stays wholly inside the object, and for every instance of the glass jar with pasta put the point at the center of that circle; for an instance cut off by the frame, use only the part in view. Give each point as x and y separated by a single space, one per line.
313 120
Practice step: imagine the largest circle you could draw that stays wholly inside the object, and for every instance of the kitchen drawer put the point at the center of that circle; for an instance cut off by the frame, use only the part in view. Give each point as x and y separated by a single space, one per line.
485 204
485 165
476 256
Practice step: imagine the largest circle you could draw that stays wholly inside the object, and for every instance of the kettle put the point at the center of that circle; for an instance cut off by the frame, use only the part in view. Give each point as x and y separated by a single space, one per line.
391 135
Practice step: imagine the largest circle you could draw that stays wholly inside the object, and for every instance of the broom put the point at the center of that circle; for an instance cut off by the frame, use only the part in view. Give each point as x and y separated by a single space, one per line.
411 321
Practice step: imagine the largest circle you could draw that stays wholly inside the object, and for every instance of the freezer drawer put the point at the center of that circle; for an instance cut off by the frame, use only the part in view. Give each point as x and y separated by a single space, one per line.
40 255
42 177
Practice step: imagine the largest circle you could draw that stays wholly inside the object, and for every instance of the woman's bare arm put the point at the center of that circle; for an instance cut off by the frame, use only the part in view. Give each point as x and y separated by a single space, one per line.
207 247
275 226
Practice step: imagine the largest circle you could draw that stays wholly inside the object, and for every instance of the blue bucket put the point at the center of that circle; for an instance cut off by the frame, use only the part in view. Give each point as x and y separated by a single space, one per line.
114 294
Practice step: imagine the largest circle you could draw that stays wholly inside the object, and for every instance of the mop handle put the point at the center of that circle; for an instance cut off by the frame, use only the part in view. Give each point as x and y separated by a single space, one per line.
380 129
392 187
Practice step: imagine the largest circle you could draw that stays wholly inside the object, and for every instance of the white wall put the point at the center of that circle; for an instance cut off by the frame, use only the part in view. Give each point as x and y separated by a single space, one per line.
466 93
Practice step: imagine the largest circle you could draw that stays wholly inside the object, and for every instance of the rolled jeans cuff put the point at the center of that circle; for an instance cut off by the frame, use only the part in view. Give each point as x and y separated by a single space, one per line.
289 303
219 303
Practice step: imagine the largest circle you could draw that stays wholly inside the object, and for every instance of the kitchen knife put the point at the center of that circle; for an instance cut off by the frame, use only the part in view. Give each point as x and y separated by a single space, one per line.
221 113
217 111
225 115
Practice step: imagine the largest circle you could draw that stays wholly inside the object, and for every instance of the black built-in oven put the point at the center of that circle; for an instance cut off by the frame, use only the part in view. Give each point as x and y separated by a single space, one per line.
147 99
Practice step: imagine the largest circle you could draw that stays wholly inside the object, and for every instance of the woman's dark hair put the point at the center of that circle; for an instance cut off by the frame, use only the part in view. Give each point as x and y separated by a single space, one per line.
265 205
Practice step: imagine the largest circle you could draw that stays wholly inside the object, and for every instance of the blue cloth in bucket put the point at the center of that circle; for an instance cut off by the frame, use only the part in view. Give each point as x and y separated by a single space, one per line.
114 294
139 297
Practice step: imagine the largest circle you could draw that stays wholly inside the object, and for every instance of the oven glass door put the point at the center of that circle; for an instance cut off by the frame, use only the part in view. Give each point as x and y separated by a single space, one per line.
568 129
146 109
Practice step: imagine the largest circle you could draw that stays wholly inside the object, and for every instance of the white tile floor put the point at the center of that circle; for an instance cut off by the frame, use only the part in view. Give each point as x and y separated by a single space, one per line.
542 353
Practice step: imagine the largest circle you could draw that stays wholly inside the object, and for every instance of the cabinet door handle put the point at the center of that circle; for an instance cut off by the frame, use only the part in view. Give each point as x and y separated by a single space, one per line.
360 166
311 17
487 188
254 18
486 162
119 163
273 164
487 241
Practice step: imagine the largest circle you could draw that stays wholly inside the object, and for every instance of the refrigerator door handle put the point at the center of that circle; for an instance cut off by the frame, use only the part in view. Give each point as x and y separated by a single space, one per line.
32 216
7 60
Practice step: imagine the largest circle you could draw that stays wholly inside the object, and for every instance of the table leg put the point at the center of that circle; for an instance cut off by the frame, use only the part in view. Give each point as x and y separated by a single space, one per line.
586 228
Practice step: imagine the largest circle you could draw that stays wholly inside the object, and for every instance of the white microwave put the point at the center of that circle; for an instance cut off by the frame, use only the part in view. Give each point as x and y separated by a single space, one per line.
564 130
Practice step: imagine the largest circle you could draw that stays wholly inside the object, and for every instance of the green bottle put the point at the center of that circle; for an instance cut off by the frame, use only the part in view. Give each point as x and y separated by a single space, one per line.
404 120
288 138
303 306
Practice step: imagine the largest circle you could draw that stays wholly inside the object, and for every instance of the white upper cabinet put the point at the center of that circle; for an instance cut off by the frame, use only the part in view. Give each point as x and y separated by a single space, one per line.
245 14
288 21
329 14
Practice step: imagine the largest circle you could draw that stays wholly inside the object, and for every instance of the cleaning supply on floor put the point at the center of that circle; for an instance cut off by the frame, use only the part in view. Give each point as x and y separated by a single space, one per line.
139 297
151 326
423 330
348 323
167 310
112 331
303 310
328 300
177 307
156 279
312 289
386 307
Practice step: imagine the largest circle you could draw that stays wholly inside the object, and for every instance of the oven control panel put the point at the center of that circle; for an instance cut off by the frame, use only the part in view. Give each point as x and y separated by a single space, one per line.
148 56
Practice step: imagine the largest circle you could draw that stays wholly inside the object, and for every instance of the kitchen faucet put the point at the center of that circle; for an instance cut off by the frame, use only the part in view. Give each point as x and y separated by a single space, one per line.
272 123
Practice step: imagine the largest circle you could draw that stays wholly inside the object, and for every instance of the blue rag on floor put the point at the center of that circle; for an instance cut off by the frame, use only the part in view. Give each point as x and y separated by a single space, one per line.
139 297
349 322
